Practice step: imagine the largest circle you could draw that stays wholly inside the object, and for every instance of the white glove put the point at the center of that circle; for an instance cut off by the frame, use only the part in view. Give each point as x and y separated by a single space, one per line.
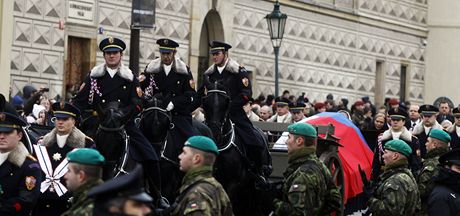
170 106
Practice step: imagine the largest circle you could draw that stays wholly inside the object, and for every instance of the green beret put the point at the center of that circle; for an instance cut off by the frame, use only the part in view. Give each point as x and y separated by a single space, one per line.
202 143
399 146
440 135
85 156
303 129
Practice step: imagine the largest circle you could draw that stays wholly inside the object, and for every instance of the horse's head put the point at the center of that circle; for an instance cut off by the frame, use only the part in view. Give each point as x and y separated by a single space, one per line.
216 105
111 116
155 120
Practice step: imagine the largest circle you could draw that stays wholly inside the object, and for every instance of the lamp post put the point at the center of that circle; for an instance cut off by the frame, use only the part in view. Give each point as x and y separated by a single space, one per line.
276 22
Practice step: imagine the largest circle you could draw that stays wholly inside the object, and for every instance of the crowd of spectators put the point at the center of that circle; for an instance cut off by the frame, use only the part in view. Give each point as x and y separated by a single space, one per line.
363 113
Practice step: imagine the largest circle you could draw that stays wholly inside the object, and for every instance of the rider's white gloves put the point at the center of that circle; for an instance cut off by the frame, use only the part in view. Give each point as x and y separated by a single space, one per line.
170 106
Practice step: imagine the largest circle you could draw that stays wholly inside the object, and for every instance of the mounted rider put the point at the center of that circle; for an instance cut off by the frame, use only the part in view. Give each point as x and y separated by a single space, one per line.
235 80
114 82
51 151
171 77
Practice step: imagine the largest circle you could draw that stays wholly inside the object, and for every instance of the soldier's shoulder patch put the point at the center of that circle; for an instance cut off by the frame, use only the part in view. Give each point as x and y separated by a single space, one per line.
139 91
30 182
194 207
245 82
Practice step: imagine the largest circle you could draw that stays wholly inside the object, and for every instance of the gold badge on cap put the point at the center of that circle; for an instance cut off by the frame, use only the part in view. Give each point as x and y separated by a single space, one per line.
245 82
30 182
165 41
62 104
2 116
111 40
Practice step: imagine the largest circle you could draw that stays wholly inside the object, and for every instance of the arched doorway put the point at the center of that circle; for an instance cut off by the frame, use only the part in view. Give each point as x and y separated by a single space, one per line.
212 29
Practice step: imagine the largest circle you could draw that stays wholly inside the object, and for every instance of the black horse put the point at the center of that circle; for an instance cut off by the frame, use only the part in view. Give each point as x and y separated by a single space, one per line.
156 125
112 141
232 168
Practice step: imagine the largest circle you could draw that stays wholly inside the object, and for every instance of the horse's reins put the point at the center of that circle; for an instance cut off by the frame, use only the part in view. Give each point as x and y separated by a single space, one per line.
111 129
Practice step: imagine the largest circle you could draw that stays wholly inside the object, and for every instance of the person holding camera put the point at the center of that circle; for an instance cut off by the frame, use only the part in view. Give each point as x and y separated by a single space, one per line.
39 98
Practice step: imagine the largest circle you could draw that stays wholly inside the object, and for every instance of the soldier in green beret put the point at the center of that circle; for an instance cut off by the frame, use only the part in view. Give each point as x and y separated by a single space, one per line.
308 187
396 192
437 144
84 172
200 193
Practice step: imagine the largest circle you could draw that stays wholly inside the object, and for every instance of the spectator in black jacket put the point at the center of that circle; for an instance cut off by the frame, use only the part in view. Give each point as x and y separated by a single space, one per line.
445 197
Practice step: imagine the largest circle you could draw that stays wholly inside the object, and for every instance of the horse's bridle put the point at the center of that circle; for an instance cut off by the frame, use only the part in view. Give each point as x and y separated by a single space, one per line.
163 112
224 94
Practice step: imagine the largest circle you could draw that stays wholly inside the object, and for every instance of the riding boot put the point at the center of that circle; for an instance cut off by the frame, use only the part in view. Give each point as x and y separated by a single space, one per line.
153 180
254 154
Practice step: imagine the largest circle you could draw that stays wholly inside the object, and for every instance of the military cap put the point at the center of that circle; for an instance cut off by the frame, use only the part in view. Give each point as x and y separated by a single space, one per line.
282 102
296 107
202 143
167 45
397 113
65 110
112 44
302 129
399 146
9 122
428 110
440 135
217 46
129 186
450 157
86 156
456 112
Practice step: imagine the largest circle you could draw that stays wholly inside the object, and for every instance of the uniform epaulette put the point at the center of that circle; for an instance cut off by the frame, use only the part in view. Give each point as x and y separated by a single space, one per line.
31 157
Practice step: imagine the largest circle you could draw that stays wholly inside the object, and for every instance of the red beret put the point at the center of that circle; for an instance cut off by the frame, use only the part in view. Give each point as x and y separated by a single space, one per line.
359 103
393 101
319 105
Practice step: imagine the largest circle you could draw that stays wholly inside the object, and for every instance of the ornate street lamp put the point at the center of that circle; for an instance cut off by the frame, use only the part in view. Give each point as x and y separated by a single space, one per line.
276 22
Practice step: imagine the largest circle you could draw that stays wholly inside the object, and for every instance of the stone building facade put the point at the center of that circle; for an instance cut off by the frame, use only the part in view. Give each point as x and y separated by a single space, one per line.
350 48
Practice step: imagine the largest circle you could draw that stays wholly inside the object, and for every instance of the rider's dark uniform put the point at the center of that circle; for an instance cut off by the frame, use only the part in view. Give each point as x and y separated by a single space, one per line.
100 88
177 88
236 83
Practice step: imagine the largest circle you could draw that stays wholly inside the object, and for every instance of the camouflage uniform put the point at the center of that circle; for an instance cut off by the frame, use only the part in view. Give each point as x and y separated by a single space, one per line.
396 192
308 187
201 194
81 204
429 170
